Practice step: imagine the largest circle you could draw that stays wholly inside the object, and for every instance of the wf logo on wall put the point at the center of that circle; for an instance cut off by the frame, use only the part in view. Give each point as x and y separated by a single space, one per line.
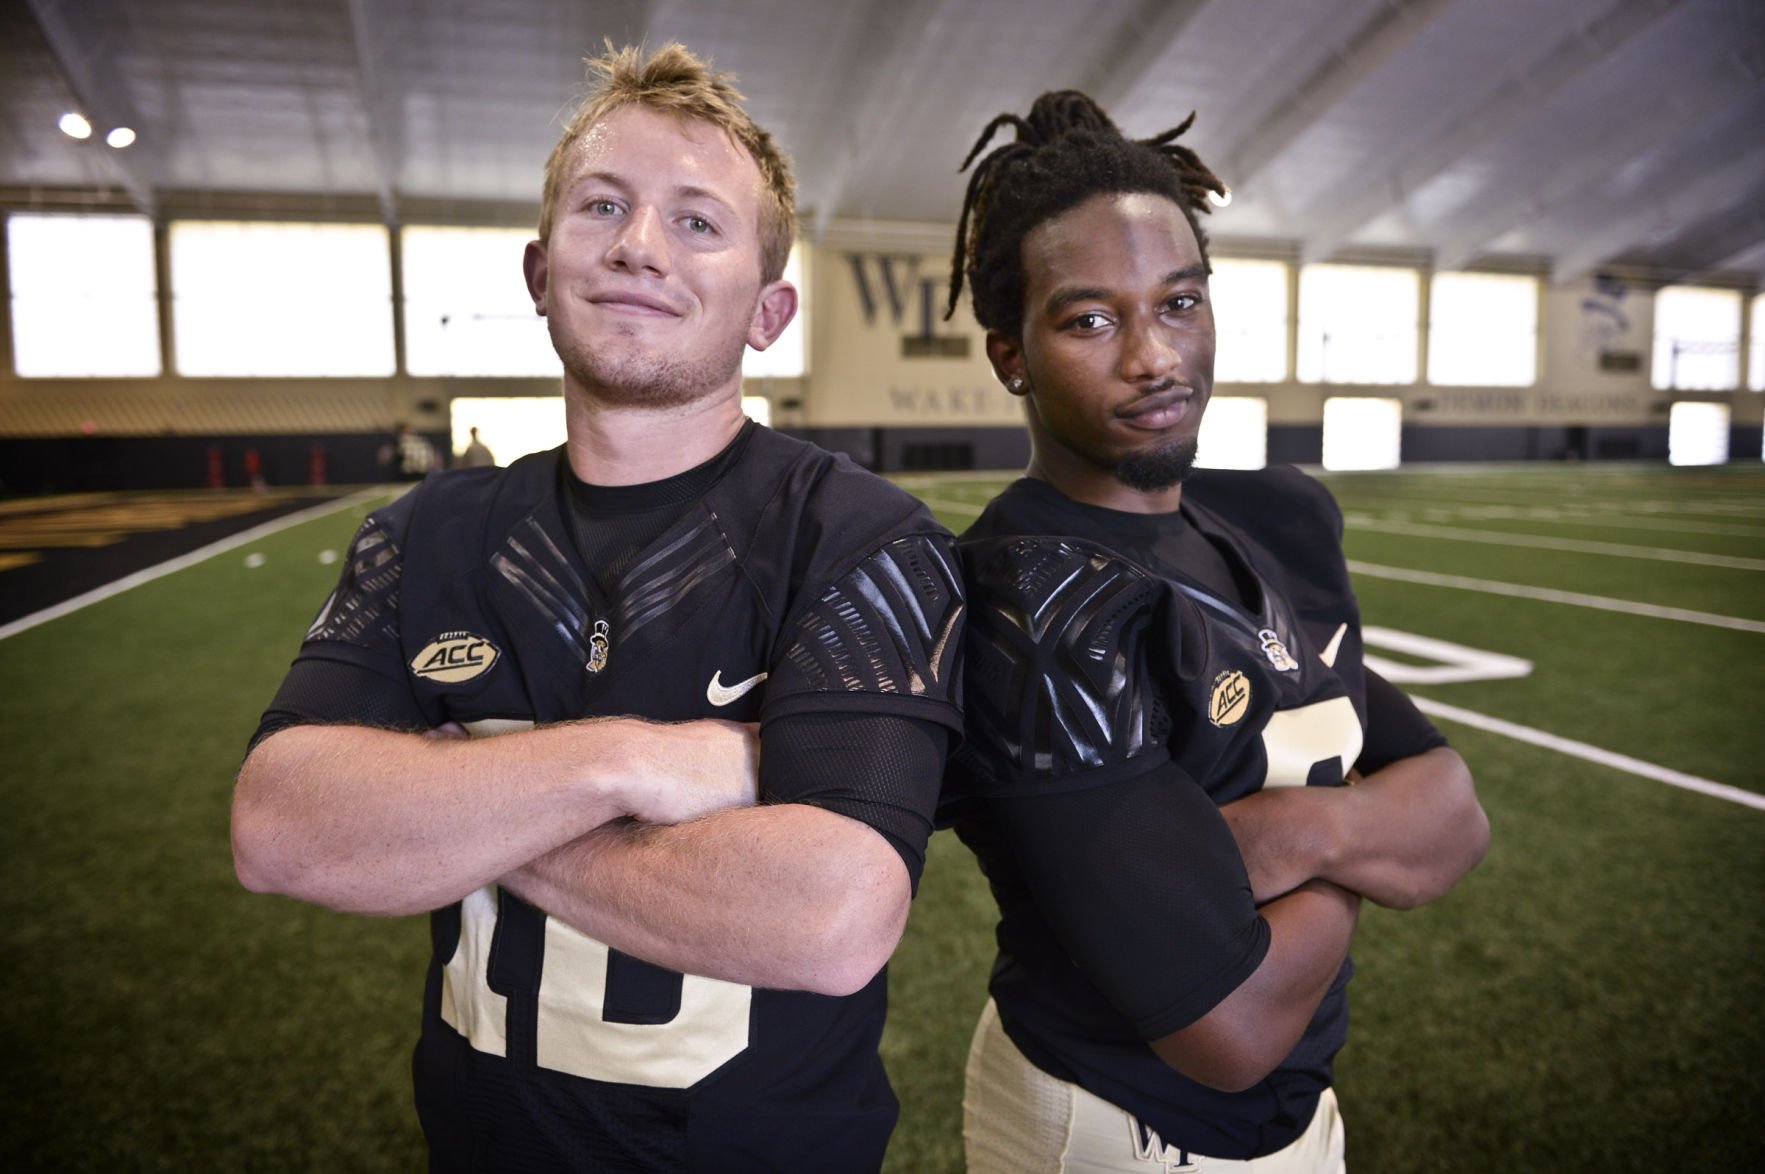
891 285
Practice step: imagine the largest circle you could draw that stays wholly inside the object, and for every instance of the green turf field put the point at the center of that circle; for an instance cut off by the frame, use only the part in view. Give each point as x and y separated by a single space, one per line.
1590 999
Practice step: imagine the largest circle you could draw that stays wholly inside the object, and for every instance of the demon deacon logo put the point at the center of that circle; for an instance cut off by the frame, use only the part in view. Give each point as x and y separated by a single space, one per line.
453 657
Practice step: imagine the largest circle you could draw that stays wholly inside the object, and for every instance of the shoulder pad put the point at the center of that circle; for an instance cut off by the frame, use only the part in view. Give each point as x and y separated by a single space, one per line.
1058 678
361 608
890 624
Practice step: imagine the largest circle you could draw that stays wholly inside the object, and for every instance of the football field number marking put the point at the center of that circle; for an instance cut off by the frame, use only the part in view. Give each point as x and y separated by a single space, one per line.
1452 662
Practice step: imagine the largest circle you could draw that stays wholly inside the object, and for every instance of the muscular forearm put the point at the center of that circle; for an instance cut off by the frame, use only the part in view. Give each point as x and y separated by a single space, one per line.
1252 1030
1409 832
373 821
785 895
1401 837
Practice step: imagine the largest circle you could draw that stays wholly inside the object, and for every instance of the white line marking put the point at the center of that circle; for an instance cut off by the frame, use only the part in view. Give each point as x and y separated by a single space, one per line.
1547 595
1623 762
99 594
1588 516
1452 662
1546 542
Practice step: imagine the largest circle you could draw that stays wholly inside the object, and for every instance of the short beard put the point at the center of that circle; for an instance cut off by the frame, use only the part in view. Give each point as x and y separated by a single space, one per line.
646 380
1159 469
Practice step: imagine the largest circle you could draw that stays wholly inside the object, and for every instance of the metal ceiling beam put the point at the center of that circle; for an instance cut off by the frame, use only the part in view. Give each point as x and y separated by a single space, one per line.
869 113
1692 102
1743 259
1729 228
385 128
1684 205
106 104
1380 39
1357 202
1138 48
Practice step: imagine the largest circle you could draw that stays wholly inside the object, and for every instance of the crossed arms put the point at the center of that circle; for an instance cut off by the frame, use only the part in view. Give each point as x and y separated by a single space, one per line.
640 834
1159 895
1401 837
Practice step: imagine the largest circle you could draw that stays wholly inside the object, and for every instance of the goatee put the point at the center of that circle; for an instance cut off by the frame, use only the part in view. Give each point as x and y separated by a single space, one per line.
1159 469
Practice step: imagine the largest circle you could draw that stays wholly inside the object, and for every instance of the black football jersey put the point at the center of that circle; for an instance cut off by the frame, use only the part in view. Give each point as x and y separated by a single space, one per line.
1112 703
798 584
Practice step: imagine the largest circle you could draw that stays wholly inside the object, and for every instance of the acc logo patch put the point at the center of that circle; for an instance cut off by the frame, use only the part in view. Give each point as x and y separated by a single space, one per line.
1231 698
454 657
1277 651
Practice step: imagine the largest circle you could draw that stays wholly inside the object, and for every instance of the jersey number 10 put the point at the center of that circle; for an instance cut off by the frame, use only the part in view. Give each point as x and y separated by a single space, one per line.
572 1034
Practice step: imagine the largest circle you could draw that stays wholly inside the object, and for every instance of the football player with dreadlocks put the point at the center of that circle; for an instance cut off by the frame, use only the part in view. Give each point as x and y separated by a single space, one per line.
1165 699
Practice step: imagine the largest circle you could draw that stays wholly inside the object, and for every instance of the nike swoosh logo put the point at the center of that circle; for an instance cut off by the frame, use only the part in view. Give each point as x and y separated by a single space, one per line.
1328 655
717 693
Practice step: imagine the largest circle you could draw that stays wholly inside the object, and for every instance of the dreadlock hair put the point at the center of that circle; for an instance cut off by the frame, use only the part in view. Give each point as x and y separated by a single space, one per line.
1066 151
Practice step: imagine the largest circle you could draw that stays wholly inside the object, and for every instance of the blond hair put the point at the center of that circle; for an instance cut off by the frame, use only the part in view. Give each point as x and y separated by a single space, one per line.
672 80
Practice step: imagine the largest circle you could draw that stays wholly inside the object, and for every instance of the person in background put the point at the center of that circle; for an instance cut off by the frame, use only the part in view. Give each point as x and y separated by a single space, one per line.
476 454
408 454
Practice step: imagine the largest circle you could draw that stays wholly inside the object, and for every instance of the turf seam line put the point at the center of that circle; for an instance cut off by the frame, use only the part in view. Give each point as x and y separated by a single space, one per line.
1551 542
190 559
1549 595
1623 762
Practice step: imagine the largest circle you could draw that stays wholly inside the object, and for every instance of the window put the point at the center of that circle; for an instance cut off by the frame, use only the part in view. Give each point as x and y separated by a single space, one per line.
1234 433
466 307
1756 376
84 295
510 426
1361 433
788 358
1697 434
1483 330
1357 324
268 299
1697 339
1250 321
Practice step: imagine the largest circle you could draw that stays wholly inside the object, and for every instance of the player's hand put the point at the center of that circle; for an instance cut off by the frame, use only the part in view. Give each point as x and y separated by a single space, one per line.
683 770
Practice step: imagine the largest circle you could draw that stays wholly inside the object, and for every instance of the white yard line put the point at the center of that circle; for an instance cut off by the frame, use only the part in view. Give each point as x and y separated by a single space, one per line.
1546 542
1620 521
99 594
1580 515
1623 762
1546 595
1415 496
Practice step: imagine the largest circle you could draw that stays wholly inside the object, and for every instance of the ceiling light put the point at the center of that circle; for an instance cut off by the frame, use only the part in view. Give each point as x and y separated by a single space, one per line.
121 137
1219 199
75 126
